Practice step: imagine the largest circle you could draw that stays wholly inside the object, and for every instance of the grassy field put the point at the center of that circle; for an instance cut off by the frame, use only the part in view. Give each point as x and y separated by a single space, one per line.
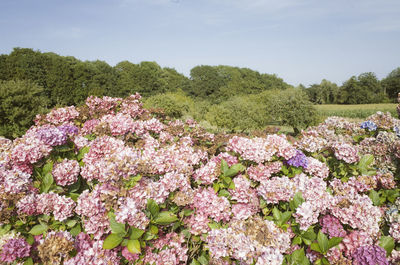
360 111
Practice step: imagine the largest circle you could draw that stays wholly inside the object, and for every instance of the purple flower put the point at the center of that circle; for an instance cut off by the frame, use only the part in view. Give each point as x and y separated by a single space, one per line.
299 160
370 125
52 136
370 255
68 129
14 248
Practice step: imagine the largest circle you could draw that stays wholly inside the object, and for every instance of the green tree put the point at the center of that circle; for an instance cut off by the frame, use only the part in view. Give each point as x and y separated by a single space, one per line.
20 101
289 107
391 84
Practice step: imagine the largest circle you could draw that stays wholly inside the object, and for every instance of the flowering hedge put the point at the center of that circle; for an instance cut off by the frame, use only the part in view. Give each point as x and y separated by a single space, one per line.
110 183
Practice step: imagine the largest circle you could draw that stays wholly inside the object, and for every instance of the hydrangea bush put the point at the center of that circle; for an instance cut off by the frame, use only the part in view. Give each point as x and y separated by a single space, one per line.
111 183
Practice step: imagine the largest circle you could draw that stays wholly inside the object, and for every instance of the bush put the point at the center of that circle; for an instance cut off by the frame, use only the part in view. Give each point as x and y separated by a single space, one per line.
238 114
174 105
20 101
290 107
107 183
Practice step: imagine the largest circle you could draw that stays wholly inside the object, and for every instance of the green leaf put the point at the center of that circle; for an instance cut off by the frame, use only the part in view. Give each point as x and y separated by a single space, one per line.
214 225
76 230
74 196
297 200
277 214
112 241
82 152
334 241
71 223
285 217
38 229
165 218
47 182
387 243
136 233
309 234
203 260
148 236
374 196
116 228
224 193
153 207
195 262
323 242
134 246
297 240
298 257
30 239
234 170
314 246
365 161
224 166
29 261
154 229
47 168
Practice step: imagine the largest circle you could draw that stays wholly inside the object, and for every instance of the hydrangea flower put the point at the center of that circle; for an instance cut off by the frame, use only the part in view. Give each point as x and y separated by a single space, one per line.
13 249
369 125
370 255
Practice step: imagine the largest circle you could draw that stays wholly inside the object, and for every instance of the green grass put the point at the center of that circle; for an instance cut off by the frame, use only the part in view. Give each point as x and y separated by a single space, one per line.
360 111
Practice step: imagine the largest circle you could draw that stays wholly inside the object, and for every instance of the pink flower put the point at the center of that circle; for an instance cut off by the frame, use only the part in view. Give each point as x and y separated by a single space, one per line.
66 172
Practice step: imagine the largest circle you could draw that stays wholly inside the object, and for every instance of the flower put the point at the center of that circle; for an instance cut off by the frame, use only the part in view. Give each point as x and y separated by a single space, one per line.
13 249
370 255
369 125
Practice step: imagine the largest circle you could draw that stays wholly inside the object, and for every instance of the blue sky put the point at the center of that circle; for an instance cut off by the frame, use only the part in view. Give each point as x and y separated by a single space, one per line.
302 41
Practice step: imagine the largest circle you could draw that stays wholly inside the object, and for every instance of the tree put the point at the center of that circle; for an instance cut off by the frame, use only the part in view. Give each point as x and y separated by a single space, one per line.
391 84
289 107
20 101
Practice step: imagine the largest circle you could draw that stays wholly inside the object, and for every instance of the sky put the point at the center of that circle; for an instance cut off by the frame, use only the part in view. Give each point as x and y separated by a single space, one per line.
301 41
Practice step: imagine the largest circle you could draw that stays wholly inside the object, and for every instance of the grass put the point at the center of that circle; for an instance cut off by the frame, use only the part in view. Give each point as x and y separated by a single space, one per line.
360 111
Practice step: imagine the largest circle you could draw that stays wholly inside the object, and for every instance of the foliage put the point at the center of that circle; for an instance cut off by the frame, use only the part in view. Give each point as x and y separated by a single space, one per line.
175 105
360 111
238 114
20 101
290 107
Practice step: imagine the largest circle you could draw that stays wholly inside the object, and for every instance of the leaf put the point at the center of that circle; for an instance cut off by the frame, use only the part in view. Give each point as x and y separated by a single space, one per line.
47 182
71 223
153 207
365 161
224 193
38 229
153 229
116 228
277 214
76 230
334 241
309 234
297 200
203 260
82 152
195 262
298 257
224 166
387 243
374 196
297 240
148 236
134 246
285 217
29 261
234 170
47 168
112 241
323 241
165 218
314 246
136 233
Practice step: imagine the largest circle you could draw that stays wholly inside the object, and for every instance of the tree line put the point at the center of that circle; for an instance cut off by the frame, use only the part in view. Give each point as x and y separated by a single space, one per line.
228 97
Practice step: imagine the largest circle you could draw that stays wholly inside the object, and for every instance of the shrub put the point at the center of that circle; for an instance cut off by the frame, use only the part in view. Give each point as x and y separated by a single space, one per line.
174 105
107 183
20 101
